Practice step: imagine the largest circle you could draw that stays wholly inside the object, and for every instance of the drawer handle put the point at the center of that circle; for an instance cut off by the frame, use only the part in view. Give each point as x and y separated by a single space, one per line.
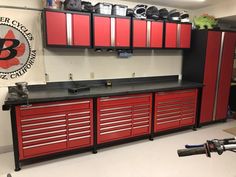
46 128
115 131
48 138
140 118
44 144
141 126
117 117
107 114
46 117
122 98
79 123
79 118
78 128
44 123
47 133
141 122
116 122
110 109
117 126
78 138
79 113
78 133
53 105
168 121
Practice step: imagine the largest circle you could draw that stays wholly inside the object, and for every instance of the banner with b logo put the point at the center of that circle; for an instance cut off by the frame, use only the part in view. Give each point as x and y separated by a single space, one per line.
21 48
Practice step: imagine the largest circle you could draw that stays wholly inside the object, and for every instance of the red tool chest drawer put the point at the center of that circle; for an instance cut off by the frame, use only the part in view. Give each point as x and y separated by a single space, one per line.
52 127
175 109
121 117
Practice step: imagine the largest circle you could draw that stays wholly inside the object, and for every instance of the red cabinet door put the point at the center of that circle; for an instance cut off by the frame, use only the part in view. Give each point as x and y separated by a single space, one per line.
139 33
185 35
81 30
102 31
225 74
156 35
210 76
122 36
56 28
171 35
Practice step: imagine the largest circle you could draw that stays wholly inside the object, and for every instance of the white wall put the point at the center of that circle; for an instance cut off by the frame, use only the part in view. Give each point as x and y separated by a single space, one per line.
219 10
59 63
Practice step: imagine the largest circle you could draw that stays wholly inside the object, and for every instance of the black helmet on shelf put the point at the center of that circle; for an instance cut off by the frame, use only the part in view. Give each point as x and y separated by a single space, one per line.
184 17
130 12
174 15
86 6
140 11
152 13
163 13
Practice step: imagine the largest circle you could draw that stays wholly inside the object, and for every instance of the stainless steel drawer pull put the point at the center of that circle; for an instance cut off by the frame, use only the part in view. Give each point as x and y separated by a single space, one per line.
78 128
44 144
53 105
47 133
78 138
46 117
140 118
141 126
117 117
43 123
115 131
107 114
141 122
168 121
79 113
45 128
79 123
110 109
41 139
78 133
117 126
114 122
79 118
122 98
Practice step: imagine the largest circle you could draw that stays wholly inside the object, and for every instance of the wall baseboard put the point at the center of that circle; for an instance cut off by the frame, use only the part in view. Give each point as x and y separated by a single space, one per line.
5 149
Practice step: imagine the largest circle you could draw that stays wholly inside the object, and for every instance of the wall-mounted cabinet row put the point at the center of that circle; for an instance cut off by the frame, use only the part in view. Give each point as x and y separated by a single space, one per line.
101 31
48 128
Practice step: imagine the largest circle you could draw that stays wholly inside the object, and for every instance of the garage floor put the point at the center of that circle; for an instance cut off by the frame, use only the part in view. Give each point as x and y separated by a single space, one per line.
140 159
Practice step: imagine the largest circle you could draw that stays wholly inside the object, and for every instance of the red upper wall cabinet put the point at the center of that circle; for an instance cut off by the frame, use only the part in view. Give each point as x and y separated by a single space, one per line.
81 25
147 34
111 32
139 33
67 29
56 28
177 35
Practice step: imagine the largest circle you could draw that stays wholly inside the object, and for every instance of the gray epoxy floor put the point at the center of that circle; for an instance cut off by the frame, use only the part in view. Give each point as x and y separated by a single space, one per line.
144 158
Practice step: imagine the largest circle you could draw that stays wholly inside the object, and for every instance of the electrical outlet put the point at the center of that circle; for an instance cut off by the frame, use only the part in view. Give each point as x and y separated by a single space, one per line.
71 76
46 77
133 74
92 75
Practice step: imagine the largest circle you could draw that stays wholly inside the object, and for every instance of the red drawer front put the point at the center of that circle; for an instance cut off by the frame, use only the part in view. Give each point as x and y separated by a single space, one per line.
53 127
225 75
185 35
139 33
102 31
123 117
171 35
122 37
175 109
53 107
56 28
80 128
156 40
210 76
81 30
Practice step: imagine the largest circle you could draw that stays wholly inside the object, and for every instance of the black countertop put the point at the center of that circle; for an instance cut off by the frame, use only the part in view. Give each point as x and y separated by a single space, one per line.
46 93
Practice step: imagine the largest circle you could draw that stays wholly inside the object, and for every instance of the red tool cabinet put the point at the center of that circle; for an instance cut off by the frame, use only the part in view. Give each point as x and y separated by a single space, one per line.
53 127
147 34
177 35
110 31
121 117
210 61
175 109
67 29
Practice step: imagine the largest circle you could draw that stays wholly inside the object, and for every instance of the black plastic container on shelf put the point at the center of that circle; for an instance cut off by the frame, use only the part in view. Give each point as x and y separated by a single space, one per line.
74 5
